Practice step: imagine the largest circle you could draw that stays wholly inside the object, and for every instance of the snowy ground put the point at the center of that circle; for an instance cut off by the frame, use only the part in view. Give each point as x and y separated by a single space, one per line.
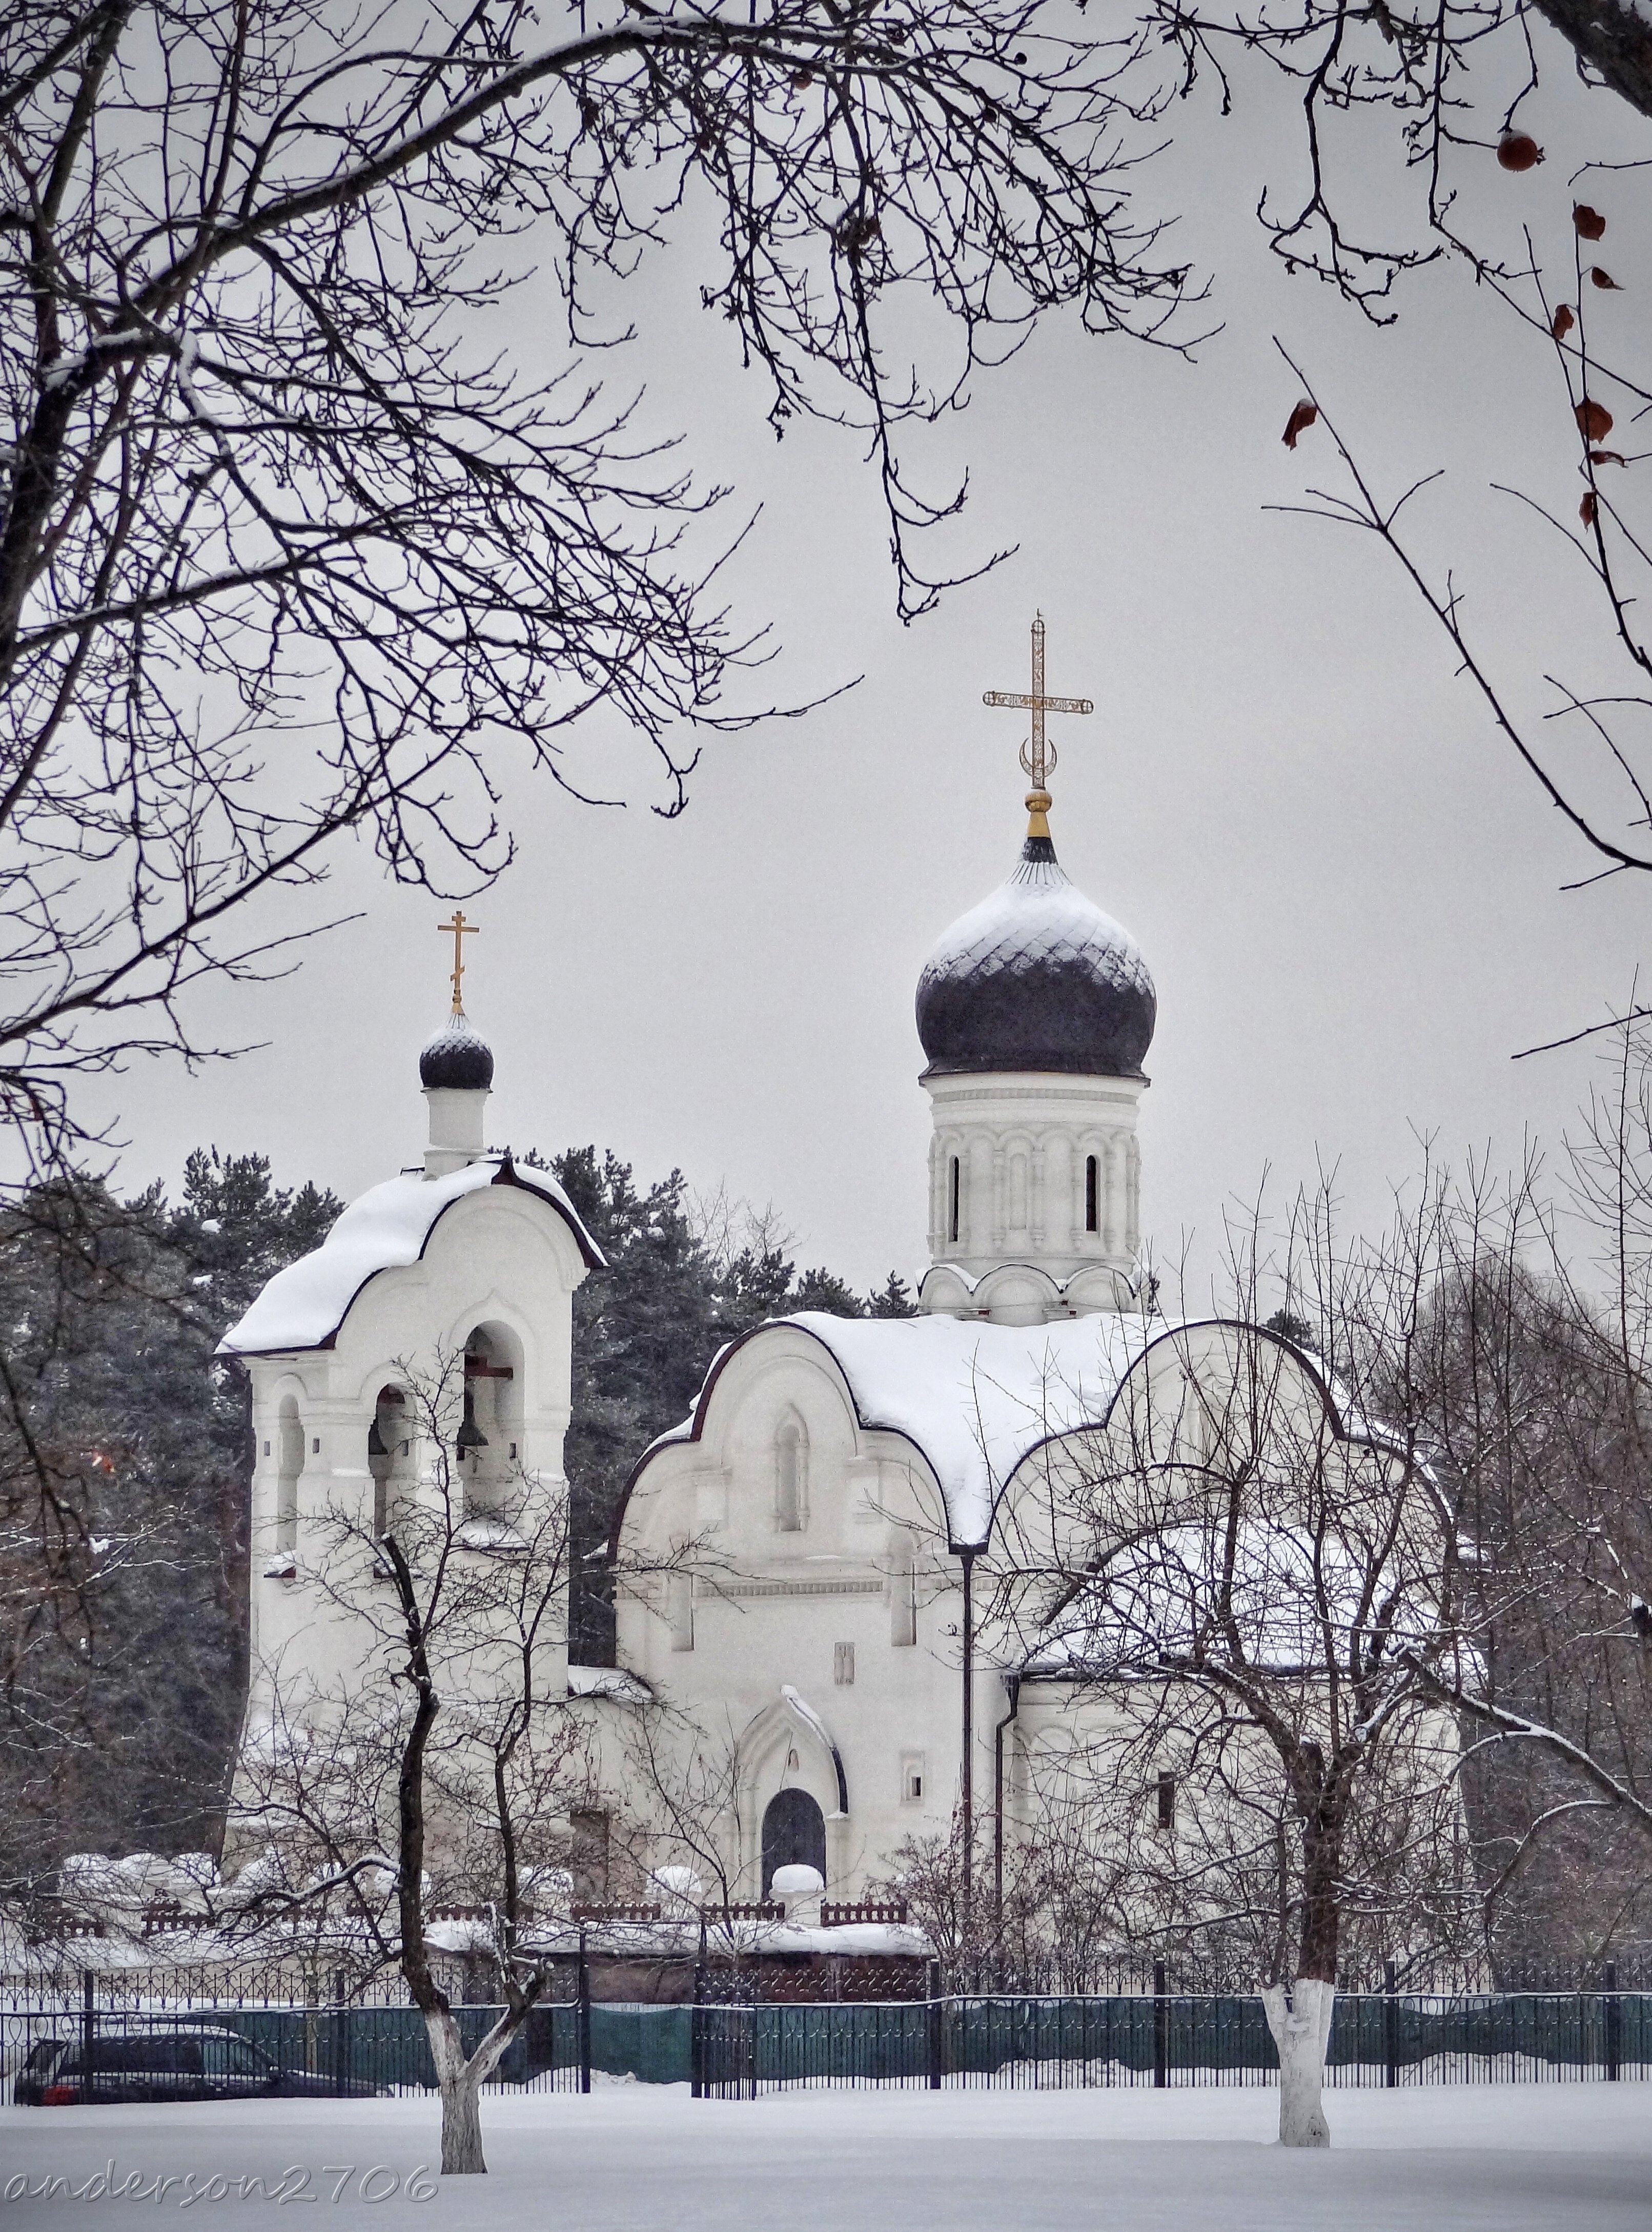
1457 2158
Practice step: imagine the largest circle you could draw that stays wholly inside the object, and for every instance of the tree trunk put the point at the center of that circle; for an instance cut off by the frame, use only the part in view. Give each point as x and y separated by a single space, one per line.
461 2088
1299 2017
462 2127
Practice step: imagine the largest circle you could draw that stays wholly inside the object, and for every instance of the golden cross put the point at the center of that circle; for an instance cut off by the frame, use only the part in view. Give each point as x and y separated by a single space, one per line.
1038 756
460 930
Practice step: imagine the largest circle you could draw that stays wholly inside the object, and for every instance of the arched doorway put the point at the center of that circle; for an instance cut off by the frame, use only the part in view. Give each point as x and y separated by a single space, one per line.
794 1834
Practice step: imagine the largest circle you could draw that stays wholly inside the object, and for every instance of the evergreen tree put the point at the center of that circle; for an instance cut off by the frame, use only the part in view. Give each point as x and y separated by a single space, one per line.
893 1300
125 1469
823 1290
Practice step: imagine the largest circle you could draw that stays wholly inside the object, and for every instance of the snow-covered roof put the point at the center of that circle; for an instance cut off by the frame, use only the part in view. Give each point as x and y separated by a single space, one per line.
390 1226
975 1399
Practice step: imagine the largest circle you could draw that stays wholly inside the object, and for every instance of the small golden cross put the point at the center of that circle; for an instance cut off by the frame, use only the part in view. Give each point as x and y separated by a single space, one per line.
460 930
1038 756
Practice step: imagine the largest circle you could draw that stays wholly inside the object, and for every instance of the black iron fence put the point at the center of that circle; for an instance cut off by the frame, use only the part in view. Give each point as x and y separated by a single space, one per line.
60 2047
59 2055
1377 2038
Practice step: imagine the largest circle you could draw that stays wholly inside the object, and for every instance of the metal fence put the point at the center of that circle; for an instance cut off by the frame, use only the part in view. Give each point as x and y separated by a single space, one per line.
313 2049
734 2050
1377 2038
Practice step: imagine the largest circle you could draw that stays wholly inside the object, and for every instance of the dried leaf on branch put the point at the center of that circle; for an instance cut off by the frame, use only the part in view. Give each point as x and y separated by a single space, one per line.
1594 419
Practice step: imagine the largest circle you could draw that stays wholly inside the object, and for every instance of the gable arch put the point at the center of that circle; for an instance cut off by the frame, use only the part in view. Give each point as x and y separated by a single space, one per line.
1170 1353
714 1422
790 1724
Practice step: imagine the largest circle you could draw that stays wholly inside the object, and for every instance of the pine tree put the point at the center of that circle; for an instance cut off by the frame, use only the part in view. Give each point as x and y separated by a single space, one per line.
823 1290
893 1300
124 1470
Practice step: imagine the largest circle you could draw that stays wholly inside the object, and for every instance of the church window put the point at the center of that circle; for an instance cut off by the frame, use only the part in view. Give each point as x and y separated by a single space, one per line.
912 1777
903 1594
954 1187
794 1835
1092 1193
315 1446
266 1448
791 1478
679 1610
1167 1800
843 1663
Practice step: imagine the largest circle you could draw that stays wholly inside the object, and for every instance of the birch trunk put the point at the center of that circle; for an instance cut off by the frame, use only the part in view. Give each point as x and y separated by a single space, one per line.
1299 2017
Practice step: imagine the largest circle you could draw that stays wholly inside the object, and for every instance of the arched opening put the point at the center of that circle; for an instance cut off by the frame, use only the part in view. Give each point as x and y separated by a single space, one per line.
387 1446
954 1188
792 1477
488 1444
290 1431
1092 1193
794 1834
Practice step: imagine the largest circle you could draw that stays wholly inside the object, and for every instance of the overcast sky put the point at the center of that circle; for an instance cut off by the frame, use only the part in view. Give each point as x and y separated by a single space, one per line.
1346 890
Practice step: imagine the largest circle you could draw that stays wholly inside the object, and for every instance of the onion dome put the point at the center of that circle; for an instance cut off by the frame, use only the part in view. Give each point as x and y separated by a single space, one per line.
1037 978
458 1060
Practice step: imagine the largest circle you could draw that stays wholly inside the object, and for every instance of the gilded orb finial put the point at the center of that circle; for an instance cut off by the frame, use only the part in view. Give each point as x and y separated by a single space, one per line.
1037 753
460 930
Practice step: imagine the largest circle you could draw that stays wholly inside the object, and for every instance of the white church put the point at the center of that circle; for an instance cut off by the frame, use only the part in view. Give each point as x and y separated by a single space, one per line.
803 1566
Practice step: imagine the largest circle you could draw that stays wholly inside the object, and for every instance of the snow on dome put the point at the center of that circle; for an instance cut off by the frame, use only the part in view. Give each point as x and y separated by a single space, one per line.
304 1306
1037 978
458 1060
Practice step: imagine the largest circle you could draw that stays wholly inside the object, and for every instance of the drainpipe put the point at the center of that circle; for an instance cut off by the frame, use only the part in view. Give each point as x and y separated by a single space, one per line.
967 1558
1013 1689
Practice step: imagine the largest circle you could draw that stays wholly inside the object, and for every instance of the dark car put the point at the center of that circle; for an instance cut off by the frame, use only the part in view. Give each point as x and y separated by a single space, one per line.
165 2065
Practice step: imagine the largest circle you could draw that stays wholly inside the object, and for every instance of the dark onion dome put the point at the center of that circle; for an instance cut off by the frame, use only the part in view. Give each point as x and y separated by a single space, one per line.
1037 978
457 1060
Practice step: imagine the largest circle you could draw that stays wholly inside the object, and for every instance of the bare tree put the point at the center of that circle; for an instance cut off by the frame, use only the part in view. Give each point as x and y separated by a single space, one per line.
1456 83
438 1764
1594 768
1535 1394
682 1802
291 544
1244 1585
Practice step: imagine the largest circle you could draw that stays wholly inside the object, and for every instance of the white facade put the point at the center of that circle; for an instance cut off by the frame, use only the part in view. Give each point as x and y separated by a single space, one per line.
805 1640
476 1260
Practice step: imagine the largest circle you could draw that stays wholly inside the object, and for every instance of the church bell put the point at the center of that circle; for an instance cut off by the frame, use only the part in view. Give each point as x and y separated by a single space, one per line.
470 1436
